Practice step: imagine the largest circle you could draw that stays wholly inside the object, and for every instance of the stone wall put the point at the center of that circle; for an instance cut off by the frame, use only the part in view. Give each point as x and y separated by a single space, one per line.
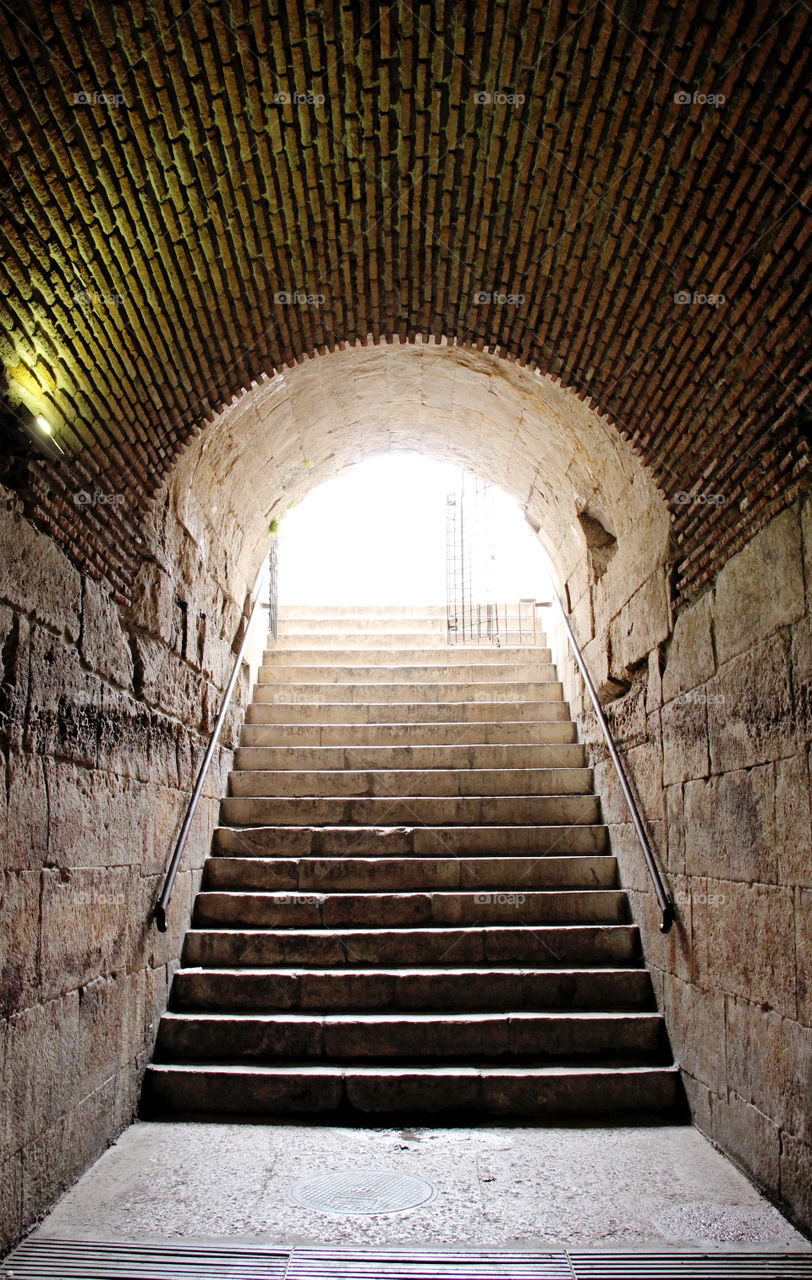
103 720
715 725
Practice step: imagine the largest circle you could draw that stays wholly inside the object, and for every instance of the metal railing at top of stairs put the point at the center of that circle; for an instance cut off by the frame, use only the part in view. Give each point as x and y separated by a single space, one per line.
159 912
664 902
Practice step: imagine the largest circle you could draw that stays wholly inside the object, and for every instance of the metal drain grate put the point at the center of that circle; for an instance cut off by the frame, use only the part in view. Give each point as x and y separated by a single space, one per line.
426 1264
49 1259
693 1266
44 1259
362 1191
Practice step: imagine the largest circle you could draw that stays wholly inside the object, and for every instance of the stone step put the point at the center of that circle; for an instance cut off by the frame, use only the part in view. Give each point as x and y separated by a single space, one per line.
451 756
414 810
538 945
326 612
416 989
409 782
411 658
373 712
496 691
377 629
410 1038
396 875
539 733
417 675
531 1092
427 841
312 910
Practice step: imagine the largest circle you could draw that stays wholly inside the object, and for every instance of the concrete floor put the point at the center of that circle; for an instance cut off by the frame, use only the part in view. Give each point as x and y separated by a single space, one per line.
611 1187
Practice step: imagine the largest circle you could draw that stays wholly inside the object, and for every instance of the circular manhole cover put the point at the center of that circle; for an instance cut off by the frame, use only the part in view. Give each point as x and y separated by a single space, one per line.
361 1191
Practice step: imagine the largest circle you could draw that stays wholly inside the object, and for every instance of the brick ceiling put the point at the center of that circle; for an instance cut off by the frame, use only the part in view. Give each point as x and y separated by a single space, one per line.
150 225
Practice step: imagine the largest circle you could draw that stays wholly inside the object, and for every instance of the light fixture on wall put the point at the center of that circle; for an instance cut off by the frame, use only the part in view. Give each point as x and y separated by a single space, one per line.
37 429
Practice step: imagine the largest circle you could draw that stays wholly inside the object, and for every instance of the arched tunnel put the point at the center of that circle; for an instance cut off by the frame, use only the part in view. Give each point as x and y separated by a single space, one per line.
249 245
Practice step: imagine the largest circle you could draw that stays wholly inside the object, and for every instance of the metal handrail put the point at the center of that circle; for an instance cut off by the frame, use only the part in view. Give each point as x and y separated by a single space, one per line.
163 902
665 903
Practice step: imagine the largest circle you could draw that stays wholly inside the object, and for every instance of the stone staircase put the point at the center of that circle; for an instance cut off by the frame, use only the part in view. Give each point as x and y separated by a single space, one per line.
410 906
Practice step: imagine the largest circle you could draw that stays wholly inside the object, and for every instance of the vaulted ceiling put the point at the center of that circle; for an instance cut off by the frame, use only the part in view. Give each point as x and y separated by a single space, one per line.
613 194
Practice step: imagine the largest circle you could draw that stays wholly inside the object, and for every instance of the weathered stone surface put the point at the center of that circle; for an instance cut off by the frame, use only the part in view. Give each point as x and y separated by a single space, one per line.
690 656
796 1178
102 1018
696 1022
750 709
749 1137
675 828
685 738
769 1064
82 935
793 821
96 818
36 578
103 645
642 624
26 813
14 642
802 675
803 953
65 702
152 597
45 1038
730 826
126 743
761 588
11 1195
19 940
654 684
744 938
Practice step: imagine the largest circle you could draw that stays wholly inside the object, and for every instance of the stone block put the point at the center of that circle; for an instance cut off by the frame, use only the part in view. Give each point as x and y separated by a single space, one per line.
748 1137
750 709
685 738
26 812
796 1180
730 826
11 1200
654 685
690 656
125 743
36 577
675 828
582 620
801 652
92 1126
84 926
48 1168
103 644
696 1029
744 941
793 821
102 1013
643 623
42 1080
64 703
19 940
152 601
769 1064
14 663
96 819
761 588
803 953
700 1103
671 952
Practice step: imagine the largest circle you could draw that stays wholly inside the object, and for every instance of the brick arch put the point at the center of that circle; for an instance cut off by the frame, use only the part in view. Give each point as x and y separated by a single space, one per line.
534 438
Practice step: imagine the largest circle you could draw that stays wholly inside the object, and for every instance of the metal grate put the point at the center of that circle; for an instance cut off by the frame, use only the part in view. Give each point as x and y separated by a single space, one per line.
49 1259
473 612
367 1191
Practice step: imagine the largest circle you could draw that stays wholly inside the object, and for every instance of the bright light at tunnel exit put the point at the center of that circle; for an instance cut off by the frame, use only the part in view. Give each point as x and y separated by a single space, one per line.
376 534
